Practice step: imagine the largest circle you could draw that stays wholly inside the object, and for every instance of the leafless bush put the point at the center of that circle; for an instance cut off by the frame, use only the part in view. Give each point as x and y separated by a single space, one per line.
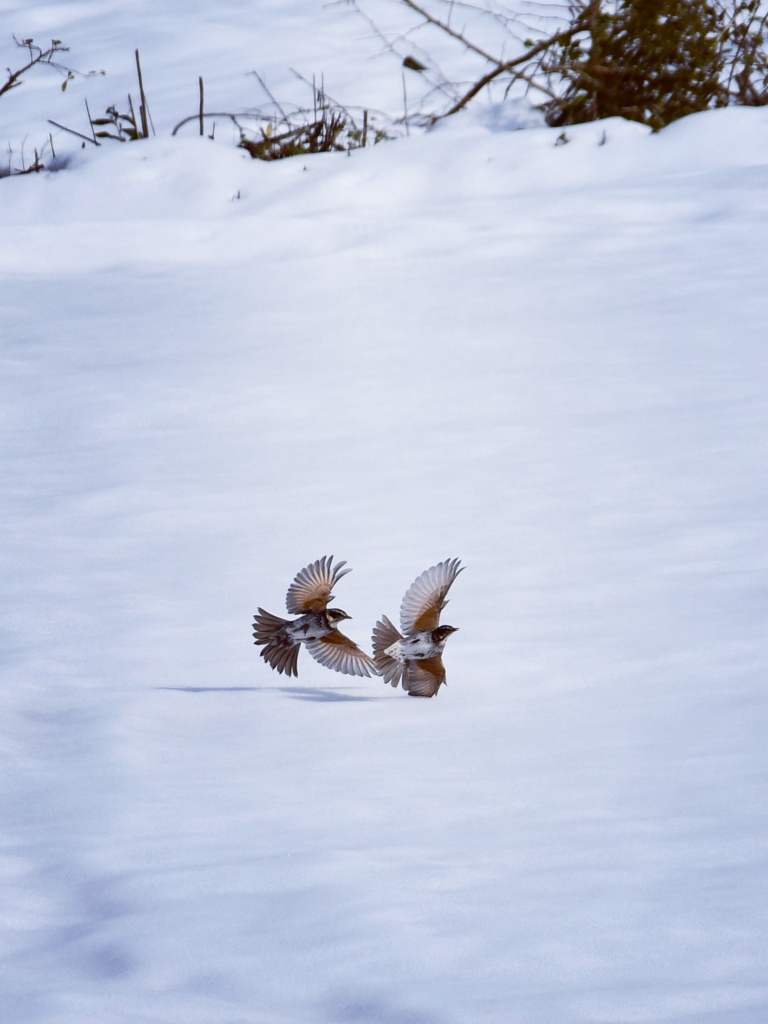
44 155
278 130
647 60
745 26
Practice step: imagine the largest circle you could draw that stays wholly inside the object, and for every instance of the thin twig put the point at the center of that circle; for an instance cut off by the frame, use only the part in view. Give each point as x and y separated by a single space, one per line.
143 99
90 121
323 96
510 65
36 56
267 90
196 117
73 132
445 27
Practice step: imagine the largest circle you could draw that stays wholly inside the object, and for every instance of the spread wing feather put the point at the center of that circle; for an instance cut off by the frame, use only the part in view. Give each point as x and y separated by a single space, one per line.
423 678
338 652
425 598
311 589
283 657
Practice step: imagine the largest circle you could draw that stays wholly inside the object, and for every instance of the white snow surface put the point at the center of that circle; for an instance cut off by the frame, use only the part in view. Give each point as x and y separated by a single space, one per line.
546 360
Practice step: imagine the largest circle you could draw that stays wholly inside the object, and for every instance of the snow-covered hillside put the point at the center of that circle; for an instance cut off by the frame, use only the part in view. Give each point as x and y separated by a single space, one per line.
546 360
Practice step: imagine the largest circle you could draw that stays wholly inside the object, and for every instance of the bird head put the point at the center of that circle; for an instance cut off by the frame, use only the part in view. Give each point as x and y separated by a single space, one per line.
336 615
441 634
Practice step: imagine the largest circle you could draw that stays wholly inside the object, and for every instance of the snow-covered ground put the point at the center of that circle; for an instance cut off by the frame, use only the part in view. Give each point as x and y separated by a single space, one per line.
546 360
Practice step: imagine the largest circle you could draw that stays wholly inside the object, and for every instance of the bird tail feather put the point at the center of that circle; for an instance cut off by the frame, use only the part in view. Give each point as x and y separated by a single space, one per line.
384 635
279 650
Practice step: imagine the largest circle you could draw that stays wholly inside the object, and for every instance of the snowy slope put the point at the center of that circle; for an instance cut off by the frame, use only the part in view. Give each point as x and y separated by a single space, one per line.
547 360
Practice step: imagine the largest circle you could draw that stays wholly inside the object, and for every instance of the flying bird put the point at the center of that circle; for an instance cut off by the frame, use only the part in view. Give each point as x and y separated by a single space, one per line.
308 597
415 657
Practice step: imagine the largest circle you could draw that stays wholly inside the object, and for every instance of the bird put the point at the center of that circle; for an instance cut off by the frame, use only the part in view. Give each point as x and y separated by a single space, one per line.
415 656
316 628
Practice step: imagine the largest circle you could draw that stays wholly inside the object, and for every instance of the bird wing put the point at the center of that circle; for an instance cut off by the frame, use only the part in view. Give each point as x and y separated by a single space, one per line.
311 589
425 598
338 652
423 678
283 657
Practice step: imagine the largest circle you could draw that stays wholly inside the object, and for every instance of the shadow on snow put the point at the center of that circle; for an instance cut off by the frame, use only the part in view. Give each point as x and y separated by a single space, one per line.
294 692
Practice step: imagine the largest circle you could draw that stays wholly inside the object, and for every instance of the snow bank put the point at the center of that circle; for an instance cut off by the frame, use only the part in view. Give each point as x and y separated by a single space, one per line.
544 359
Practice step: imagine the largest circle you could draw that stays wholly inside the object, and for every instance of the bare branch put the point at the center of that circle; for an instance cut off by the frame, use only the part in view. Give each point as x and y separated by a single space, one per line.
267 90
509 66
445 27
196 117
72 131
36 56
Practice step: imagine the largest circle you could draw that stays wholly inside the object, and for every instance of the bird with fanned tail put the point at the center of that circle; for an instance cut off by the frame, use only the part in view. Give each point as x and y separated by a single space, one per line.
415 656
308 597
